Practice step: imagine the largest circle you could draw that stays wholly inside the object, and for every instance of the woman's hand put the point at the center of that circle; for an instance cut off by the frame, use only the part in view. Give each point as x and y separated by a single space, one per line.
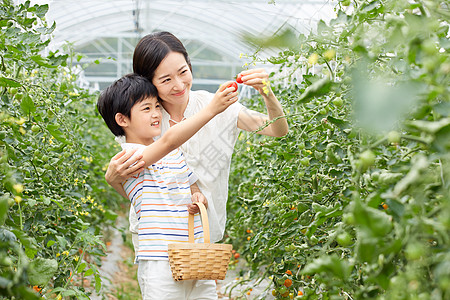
197 197
119 167
274 123
225 96
258 79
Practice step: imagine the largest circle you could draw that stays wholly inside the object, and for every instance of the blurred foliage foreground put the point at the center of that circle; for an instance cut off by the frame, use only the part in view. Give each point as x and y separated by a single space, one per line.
354 202
54 204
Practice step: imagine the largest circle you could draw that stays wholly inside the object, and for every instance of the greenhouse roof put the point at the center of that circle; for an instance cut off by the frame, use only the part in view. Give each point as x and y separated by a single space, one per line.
211 30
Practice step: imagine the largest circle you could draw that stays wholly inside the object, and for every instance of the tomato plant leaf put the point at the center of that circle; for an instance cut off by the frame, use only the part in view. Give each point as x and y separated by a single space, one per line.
318 88
27 105
9 82
98 283
41 61
89 272
41 270
81 267
57 134
4 207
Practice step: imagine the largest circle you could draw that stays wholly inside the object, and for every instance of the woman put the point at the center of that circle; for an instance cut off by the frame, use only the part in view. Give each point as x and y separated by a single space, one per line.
162 58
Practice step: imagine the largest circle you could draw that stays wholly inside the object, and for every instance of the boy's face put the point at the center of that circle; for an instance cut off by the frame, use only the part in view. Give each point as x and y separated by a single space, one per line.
144 122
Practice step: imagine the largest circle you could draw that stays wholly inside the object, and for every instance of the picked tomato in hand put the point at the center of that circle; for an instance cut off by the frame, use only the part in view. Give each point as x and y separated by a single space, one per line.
239 78
234 85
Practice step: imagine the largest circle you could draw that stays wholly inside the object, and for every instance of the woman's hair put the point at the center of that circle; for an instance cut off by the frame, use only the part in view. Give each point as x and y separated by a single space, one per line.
121 96
152 49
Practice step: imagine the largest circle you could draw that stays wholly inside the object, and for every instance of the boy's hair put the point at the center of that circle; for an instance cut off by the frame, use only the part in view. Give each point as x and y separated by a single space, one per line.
121 96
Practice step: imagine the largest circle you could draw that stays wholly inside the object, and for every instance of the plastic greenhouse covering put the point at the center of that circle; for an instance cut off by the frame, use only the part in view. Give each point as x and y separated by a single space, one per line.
213 31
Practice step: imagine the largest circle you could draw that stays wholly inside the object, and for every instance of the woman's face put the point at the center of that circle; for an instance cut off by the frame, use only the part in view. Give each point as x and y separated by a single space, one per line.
173 79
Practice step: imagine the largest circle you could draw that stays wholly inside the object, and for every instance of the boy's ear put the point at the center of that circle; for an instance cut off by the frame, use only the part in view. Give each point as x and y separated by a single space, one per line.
121 120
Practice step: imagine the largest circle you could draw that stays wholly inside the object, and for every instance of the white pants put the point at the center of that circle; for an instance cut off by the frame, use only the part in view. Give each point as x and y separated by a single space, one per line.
156 283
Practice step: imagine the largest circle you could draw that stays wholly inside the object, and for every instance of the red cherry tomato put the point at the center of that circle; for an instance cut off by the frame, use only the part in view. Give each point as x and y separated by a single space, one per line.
239 78
234 84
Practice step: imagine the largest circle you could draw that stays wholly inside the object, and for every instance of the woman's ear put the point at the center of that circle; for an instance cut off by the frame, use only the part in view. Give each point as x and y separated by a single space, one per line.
121 120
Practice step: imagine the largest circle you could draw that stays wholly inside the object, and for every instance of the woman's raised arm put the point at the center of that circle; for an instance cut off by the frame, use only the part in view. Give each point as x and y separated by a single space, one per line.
251 120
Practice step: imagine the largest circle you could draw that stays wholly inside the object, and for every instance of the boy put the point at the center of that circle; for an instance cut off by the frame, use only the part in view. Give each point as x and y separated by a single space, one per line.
161 194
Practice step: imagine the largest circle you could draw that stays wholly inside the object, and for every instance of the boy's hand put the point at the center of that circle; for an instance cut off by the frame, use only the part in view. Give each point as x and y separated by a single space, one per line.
258 79
119 167
196 197
224 97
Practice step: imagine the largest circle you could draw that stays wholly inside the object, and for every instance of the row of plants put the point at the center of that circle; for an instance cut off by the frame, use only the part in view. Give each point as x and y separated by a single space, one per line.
354 203
54 202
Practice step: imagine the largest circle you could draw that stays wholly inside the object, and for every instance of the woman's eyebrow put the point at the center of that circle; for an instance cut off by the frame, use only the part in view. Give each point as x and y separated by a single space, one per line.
181 68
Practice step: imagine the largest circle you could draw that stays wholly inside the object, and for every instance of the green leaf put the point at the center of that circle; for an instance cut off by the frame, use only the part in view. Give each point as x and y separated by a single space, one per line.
342 124
318 88
372 221
7 236
27 242
41 61
58 135
81 267
61 241
110 215
429 126
50 243
329 264
27 105
9 82
89 272
41 10
98 283
4 207
41 270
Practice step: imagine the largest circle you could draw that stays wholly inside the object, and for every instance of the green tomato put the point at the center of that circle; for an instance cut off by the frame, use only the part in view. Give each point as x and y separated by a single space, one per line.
313 240
414 251
394 137
35 128
13 91
318 154
282 289
430 63
305 161
429 47
348 219
367 158
344 239
345 2
301 146
19 96
338 102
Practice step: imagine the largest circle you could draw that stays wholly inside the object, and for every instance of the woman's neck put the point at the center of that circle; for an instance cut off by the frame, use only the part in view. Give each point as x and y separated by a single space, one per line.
176 111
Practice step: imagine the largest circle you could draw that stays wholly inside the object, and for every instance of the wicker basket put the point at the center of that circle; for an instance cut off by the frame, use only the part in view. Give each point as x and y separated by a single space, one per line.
199 261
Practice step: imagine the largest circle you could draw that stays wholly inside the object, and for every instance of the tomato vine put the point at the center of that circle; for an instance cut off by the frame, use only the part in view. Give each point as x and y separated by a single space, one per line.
354 201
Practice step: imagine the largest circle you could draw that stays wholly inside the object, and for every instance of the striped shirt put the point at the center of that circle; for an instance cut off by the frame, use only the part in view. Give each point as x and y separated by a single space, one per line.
160 195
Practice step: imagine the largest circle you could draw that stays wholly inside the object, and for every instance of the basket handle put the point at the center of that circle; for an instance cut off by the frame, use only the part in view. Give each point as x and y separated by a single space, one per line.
205 223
